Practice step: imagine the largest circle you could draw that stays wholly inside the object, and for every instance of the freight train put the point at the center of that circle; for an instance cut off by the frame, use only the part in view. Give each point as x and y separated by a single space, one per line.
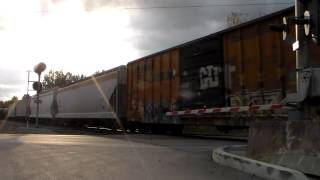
243 65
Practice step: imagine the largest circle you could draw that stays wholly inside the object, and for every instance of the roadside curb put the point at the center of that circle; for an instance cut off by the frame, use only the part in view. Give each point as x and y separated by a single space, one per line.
251 166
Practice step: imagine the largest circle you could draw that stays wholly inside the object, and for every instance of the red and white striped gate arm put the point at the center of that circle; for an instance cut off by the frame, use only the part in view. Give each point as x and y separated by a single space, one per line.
252 108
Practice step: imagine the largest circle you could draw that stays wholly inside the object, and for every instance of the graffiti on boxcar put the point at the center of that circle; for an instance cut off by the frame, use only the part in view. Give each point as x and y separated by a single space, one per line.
155 112
255 98
148 111
209 77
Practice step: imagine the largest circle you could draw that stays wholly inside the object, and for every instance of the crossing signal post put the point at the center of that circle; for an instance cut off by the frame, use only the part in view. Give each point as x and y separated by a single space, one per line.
306 21
299 136
35 88
39 68
307 28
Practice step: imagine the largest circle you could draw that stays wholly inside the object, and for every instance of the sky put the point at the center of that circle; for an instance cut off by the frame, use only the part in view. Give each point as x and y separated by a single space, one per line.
84 36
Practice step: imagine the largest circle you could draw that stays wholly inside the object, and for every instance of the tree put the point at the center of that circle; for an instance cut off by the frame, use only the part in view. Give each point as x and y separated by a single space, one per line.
98 72
236 18
59 79
6 104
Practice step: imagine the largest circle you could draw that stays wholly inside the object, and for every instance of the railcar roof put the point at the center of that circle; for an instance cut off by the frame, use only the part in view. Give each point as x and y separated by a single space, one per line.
262 18
87 78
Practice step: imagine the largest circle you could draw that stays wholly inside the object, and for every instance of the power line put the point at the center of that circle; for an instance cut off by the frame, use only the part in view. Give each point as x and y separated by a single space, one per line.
204 6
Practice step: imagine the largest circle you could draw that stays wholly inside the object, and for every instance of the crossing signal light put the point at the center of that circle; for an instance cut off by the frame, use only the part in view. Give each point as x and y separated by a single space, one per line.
310 20
37 86
282 28
312 13
315 18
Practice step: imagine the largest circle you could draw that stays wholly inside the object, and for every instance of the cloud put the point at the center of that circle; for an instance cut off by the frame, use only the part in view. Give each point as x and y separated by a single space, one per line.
9 77
158 29
6 91
12 82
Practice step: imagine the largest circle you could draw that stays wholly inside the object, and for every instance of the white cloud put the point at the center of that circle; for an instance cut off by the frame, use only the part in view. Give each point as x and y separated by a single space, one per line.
64 36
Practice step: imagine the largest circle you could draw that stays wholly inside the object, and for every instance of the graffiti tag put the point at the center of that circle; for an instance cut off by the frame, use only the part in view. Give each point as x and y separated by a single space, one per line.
209 77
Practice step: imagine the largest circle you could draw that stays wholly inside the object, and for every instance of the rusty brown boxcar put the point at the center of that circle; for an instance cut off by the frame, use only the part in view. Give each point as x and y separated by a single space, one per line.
259 65
153 85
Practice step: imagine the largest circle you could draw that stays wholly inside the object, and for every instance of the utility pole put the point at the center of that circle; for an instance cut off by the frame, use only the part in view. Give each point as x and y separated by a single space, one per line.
28 82
28 101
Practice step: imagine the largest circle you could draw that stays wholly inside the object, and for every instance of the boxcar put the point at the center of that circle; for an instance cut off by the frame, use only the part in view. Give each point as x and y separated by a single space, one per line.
153 87
259 65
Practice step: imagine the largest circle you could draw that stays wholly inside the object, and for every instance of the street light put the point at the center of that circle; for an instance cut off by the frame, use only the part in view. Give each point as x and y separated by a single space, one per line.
39 68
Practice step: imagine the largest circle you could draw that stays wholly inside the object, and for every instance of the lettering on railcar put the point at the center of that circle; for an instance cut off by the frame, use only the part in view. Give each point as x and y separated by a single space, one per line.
209 77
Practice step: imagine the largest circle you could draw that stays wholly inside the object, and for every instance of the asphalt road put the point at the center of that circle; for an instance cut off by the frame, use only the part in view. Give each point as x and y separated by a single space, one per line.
134 157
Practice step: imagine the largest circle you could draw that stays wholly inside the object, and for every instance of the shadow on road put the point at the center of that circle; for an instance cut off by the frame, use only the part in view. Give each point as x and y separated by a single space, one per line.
17 127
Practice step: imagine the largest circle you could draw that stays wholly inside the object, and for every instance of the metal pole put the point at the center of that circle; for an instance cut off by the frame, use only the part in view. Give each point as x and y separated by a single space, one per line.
27 113
38 90
302 53
28 82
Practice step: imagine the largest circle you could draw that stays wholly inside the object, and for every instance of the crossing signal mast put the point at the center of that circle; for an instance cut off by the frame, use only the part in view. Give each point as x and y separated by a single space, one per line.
307 27
39 68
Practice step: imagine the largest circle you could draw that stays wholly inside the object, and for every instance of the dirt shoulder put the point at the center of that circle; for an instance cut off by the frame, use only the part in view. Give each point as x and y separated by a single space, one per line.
14 127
